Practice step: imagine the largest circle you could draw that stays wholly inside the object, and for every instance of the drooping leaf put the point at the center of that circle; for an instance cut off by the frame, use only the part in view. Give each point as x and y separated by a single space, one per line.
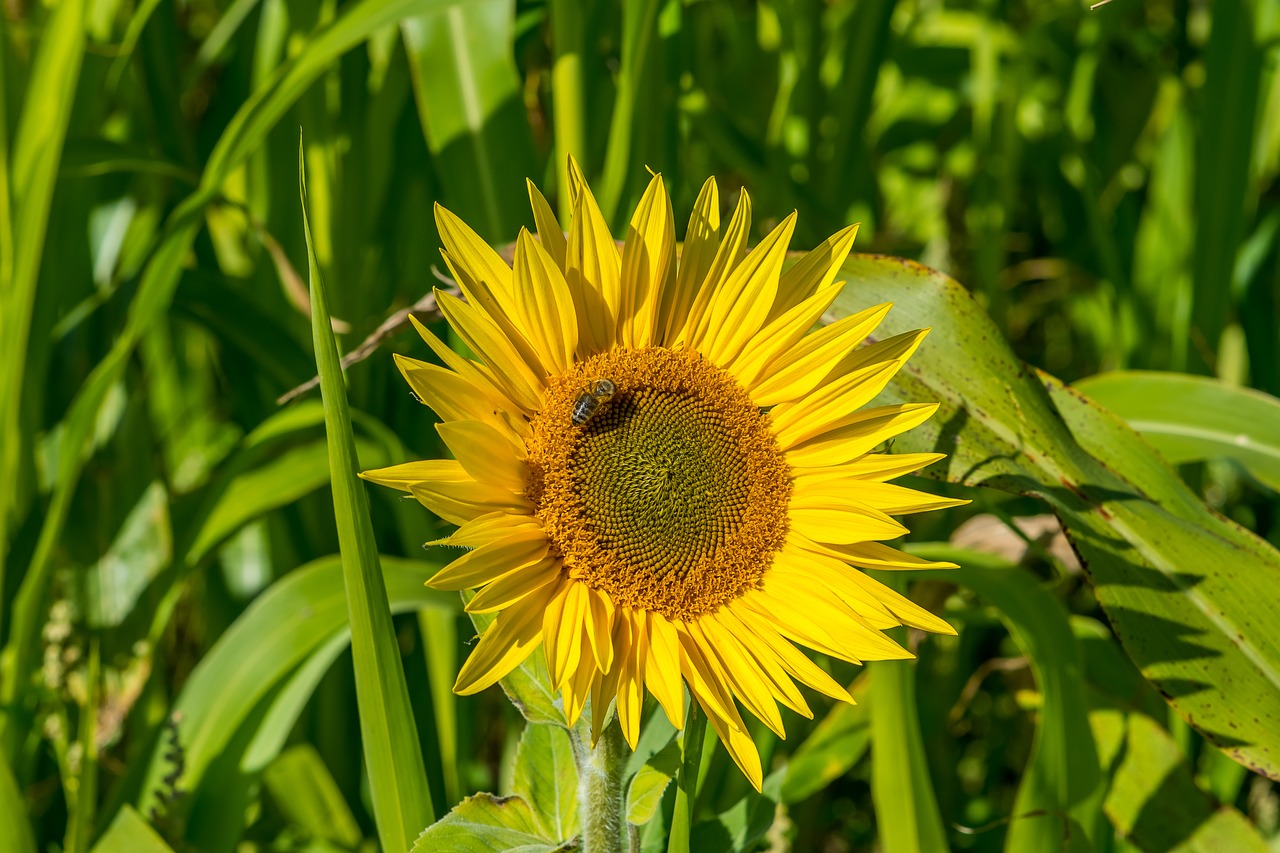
1166 569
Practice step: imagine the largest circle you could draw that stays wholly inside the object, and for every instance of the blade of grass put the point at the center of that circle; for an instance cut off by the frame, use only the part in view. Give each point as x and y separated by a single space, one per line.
243 134
687 780
638 32
906 808
397 777
568 95
37 151
13 812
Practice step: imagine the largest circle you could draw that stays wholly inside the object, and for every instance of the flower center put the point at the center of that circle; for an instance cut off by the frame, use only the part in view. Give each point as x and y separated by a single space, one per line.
672 495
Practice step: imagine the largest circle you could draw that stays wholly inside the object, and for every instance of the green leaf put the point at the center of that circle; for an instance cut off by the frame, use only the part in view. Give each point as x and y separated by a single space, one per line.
1153 799
650 782
1190 418
468 94
906 809
13 811
1061 776
243 134
389 735
546 777
485 823
293 621
1165 568
142 548
1233 63
837 743
129 833
743 824
307 795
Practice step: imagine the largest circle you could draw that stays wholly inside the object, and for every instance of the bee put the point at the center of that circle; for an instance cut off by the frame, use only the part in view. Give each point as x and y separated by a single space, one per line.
595 395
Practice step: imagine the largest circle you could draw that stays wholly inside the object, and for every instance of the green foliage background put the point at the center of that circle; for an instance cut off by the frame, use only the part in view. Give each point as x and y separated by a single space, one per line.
178 668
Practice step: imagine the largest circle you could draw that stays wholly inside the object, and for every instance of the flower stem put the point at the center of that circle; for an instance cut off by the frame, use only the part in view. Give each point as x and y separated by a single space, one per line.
600 791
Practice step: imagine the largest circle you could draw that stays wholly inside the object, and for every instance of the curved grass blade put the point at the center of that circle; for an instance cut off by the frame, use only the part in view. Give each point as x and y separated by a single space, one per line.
28 184
397 776
293 621
243 134
906 809
1062 776
1190 418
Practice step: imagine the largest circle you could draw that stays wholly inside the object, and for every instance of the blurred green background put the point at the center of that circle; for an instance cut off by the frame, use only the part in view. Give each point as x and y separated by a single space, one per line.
1104 182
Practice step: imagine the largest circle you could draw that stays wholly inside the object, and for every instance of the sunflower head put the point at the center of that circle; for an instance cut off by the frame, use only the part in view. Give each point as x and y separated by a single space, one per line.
666 478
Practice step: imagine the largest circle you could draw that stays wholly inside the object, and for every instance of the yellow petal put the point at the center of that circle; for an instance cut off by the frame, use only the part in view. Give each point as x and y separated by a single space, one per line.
873 467
781 685
739 308
599 623
801 368
884 497
463 499
842 526
907 611
704 683
550 234
830 406
732 249
455 398
522 381
647 259
505 645
738 743
514 586
577 688
701 240
631 677
853 641
897 349
480 375
736 668
406 475
520 549
593 269
604 686
472 255
662 668
487 528
859 434
562 632
545 307
486 455
778 338
872 555
798 567
788 656
814 272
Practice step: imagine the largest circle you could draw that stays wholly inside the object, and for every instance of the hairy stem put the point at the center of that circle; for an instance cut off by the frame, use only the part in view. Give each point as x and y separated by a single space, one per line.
600 791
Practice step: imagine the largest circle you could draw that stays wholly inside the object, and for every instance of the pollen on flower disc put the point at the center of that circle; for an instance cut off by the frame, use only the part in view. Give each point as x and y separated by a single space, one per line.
673 496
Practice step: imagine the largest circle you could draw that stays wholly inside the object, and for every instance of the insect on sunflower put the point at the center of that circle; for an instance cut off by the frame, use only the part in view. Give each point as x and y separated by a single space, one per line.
666 478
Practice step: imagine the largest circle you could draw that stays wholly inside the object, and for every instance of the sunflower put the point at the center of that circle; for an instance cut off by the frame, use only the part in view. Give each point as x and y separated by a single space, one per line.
665 477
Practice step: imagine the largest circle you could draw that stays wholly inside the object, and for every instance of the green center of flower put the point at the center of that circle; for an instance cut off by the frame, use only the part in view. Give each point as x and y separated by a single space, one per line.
672 496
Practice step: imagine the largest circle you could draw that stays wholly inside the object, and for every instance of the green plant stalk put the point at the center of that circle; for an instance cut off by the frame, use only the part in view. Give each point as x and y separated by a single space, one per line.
29 186
568 97
85 787
600 799
243 134
687 780
638 32
393 756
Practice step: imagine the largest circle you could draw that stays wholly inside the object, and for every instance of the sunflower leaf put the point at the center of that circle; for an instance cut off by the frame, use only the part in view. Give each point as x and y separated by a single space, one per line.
1164 567
484 823
546 776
